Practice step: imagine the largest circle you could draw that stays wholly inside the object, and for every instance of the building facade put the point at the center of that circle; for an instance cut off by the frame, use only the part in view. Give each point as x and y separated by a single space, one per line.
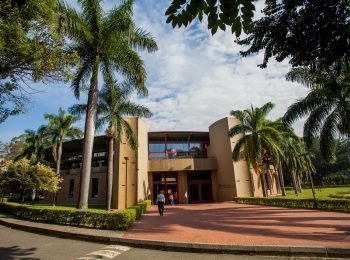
195 166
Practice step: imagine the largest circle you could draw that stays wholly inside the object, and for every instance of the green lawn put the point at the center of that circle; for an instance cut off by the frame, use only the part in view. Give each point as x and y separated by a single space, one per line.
323 193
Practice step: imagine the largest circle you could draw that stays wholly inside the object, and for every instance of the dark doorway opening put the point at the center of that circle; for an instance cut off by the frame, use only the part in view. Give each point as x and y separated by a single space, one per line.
199 186
166 182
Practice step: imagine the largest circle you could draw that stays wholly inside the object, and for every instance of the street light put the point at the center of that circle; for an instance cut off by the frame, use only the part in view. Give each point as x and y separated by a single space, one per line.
126 181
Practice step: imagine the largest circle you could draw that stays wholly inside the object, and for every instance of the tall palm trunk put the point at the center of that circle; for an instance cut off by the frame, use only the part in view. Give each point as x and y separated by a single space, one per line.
298 183
110 172
58 166
281 179
295 182
89 134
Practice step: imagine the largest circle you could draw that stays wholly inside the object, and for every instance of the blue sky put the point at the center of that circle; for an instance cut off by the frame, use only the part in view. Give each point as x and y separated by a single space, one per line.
194 79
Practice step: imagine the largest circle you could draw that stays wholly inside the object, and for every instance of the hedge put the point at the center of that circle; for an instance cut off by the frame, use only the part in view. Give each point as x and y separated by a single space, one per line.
116 220
337 205
140 208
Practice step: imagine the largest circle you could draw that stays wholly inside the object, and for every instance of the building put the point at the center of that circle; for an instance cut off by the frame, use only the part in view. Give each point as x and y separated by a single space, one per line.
197 166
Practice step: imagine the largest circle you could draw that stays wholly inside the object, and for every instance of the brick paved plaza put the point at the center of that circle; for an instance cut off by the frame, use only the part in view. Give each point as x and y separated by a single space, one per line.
231 223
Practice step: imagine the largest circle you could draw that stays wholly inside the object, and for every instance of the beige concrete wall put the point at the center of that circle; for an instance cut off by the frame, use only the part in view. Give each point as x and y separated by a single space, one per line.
143 188
62 195
273 179
233 178
220 148
183 164
125 172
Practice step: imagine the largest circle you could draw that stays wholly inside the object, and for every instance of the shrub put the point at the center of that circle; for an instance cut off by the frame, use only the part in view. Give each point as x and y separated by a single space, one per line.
140 208
117 220
338 205
3 199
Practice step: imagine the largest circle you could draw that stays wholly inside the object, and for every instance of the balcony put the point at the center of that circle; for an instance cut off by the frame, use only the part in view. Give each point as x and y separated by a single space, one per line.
182 164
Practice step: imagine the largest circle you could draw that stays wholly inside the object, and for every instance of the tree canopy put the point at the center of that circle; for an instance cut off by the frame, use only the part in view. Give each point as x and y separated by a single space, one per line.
235 14
31 50
309 32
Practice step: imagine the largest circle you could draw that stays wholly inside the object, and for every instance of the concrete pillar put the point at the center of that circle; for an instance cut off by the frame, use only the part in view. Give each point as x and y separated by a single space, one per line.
214 186
182 187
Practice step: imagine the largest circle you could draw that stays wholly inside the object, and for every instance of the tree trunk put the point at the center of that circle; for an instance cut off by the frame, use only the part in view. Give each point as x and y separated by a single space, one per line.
89 135
58 167
298 183
110 173
294 182
281 179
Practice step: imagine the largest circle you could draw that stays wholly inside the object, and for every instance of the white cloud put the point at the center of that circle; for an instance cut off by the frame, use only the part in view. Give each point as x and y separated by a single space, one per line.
196 79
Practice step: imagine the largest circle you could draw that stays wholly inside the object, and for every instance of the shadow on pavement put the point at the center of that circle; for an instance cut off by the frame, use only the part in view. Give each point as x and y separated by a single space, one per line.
15 252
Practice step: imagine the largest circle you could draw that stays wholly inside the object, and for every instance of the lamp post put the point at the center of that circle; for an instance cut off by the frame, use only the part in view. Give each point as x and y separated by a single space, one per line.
126 181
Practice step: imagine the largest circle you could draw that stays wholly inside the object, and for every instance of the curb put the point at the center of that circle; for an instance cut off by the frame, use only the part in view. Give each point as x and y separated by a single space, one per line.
265 250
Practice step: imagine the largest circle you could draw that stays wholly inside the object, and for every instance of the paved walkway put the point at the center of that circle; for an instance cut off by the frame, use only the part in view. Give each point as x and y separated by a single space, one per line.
231 223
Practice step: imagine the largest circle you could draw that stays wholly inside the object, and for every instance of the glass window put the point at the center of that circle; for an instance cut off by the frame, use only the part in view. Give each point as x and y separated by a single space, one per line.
157 156
71 188
94 187
157 147
179 147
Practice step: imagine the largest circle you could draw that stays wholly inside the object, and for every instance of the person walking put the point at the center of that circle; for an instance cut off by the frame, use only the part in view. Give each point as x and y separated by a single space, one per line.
160 202
171 199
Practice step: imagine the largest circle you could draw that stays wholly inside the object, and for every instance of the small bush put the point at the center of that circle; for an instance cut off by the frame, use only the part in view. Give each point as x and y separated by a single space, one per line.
338 205
117 220
140 208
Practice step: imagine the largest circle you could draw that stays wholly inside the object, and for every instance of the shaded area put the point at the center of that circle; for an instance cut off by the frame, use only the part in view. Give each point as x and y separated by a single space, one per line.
16 252
231 223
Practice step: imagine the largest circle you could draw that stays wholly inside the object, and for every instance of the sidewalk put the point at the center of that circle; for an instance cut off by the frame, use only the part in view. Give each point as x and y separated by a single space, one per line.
145 235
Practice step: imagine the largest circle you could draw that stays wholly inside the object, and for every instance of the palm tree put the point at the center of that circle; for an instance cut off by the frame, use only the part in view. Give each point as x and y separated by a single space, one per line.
113 105
104 43
36 143
259 137
60 129
327 106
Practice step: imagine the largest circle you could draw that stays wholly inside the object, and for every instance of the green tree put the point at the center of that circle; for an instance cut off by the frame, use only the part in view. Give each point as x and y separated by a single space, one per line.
36 142
105 43
22 178
305 32
113 105
59 130
327 106
258 137
235 14
31 49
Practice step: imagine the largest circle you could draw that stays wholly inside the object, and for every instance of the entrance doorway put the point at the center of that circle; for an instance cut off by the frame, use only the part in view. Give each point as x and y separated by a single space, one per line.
199 187
166 182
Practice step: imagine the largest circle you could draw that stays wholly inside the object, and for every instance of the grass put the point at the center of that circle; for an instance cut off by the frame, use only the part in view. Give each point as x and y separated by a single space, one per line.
321 193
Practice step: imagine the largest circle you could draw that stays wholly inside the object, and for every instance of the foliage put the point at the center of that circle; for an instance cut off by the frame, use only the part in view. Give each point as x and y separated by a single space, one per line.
106 43
140 208
31 49
113 105
327 106
60 129
307 32
336 205
332 173
237 14
12 149
116 220
21 178
35 144
259 136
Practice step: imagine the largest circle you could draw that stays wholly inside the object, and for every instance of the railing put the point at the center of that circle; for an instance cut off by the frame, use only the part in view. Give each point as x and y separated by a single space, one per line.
176 155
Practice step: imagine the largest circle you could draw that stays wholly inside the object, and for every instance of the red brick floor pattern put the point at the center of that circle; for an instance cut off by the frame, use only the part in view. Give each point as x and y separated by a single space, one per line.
231 223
